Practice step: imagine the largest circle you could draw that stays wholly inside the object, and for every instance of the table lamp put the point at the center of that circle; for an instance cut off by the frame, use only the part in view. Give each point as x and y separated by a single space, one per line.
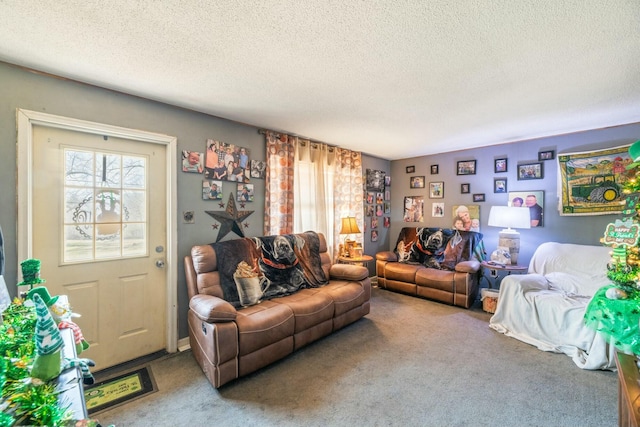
510 217
349 226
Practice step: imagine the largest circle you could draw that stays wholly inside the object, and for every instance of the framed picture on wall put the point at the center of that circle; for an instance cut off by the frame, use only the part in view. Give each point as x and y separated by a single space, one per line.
466 167
500 165
479 197
500 185
530 171
534 200
434 169
436 190
546 155
416 182
410 169
465 188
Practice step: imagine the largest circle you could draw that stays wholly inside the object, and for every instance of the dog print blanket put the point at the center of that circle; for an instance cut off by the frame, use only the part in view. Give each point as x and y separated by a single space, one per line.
253 269
440 248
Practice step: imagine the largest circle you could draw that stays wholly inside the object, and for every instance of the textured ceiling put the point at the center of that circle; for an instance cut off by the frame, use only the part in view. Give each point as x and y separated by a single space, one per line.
395 79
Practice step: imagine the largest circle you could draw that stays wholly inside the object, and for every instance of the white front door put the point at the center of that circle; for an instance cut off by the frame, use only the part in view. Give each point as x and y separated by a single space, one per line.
99 227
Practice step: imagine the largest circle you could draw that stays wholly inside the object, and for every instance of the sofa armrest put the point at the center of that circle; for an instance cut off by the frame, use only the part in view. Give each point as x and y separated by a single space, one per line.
212 309
471 266
387 256
348 272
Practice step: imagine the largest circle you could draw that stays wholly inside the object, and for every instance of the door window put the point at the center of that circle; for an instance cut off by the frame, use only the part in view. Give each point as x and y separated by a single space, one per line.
105 206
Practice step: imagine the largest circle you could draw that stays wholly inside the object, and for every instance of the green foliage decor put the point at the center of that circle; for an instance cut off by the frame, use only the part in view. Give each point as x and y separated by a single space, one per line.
24 400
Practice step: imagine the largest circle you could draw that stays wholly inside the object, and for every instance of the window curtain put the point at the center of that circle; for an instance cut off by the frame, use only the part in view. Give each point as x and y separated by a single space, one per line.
348 194
311 186
278 212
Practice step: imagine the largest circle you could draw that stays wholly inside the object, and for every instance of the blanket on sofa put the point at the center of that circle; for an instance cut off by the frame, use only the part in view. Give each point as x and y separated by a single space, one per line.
439 248
258 268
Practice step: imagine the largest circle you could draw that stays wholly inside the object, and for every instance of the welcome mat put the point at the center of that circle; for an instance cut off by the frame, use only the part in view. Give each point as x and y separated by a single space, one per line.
119 390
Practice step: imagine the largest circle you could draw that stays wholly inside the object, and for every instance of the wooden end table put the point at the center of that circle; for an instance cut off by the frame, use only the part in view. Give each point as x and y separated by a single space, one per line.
499 271
361 260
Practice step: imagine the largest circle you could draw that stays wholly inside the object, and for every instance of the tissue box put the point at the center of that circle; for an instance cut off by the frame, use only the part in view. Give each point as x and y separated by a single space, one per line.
489 299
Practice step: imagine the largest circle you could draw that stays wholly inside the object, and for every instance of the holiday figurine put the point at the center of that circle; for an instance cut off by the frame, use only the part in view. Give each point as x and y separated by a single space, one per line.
30 273
46 364
62 314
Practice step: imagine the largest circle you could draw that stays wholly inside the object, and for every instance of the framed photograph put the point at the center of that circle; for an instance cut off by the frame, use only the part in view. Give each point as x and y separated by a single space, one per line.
500 165
465 188
244 193
413 209
416 182
374 222
410 169
466 167
500 185
386 222
534 200
434 169
387 180
478 197
436 190
437 210
227 162
374 235
192 161
211 190
375 180
530 171
258 169
466 217
546 155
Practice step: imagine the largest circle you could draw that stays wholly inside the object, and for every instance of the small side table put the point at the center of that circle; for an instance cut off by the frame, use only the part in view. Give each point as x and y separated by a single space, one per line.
499 271
362 260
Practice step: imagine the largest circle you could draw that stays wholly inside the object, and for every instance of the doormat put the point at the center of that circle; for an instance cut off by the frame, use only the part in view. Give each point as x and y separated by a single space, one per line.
119 390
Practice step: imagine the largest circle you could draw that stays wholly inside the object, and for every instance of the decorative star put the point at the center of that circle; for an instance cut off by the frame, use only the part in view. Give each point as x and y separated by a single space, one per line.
230 219
215 226
221 204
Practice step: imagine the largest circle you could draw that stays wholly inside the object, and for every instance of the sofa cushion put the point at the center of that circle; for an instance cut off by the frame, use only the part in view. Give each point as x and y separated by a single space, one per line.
346 295
263 324
310 307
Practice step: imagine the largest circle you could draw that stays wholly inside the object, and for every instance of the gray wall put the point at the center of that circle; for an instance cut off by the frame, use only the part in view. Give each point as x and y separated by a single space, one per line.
33 91
565 229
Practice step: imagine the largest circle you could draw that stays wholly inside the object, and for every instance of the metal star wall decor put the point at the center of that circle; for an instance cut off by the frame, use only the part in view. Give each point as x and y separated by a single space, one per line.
230 219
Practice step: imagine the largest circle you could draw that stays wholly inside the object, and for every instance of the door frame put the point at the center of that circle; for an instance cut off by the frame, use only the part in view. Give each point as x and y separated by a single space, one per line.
26 119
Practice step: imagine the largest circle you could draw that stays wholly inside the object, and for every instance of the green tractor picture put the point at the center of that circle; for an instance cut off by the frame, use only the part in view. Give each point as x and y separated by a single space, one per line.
598 189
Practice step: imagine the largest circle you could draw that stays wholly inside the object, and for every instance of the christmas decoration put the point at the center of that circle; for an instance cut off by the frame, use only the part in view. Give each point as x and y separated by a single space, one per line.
231 219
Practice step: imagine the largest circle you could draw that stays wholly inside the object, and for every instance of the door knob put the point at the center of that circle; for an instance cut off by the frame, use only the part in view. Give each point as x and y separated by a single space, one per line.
160 263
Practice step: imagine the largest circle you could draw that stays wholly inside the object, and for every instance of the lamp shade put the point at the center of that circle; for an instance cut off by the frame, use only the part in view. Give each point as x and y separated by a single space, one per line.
349 226
509 217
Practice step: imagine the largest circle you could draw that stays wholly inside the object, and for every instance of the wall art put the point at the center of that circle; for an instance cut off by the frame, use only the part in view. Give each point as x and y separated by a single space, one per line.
416 182
546 155
500 165
466 167
227 162
534 200
434 169
211 190
413 209
375 180
192 161
592 182
465 188
530 171
436 190
500 185
466 217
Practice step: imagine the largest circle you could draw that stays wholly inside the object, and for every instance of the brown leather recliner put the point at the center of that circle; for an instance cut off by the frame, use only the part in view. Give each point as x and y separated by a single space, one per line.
229 342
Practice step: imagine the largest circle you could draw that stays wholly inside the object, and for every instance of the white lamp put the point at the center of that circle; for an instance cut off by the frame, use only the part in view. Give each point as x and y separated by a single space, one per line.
510 217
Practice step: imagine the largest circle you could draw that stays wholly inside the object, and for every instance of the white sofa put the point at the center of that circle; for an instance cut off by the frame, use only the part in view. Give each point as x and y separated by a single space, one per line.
546 306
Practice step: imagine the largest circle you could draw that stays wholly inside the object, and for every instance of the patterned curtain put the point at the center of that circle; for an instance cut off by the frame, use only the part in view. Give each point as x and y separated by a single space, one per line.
311 186
278 212
348 193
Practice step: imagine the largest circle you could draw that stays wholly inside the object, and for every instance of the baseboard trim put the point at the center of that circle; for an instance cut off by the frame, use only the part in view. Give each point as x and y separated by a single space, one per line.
183 344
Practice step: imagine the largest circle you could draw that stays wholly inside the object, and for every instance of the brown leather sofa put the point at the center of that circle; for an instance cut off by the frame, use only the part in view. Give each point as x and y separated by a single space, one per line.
451 275
229 342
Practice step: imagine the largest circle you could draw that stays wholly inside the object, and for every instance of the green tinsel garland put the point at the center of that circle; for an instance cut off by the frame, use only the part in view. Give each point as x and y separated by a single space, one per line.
24 400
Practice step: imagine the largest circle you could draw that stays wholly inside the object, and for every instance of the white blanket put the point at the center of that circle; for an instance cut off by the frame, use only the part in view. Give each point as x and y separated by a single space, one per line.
546 307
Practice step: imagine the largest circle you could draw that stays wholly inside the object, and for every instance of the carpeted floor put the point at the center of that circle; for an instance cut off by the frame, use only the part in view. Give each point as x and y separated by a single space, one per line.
410 362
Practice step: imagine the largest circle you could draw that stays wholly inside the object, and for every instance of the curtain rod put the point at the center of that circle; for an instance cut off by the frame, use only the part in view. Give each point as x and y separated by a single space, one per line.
264 132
